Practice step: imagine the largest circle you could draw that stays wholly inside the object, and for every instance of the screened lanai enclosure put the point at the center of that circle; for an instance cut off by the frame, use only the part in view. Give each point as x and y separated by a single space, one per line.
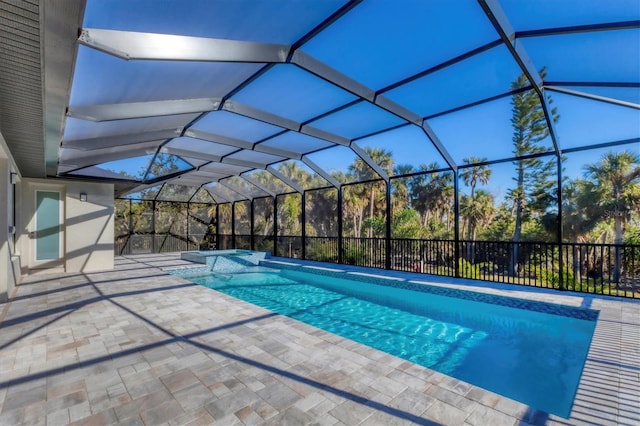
492 140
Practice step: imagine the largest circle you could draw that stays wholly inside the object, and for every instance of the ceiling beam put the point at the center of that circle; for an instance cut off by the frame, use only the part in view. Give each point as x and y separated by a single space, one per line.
285 179
189 153
138 45
499 19
369 161
319 170
257 184
607 26
124 111
327 73
211 188
90 158
340 80
285 123
239 143
242 163
216 138
593 97
428 131
234 189
120 140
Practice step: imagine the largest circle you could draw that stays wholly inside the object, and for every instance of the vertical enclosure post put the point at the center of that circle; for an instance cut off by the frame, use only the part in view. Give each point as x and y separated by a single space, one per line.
153 226
251 226
387 234
128 243
303 219
233 225
456 224
275 225
217 226
560 233
340 242
188 222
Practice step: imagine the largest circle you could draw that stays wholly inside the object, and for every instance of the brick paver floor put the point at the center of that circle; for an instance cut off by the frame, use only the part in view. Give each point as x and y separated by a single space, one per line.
139 346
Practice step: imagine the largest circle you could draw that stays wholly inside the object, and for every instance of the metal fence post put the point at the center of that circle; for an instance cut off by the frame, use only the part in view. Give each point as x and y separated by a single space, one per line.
561 285
275 225
456 224
340 240
303 219
387 260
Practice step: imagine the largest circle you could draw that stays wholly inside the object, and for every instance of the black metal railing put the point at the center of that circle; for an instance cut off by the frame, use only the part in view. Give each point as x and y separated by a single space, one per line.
263 243
322 249
162 243
369 252
608 269
425 256
225 241
612 269
243 242
289 246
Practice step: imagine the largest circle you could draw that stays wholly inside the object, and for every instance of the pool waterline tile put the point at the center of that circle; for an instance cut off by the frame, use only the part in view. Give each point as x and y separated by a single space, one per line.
425 287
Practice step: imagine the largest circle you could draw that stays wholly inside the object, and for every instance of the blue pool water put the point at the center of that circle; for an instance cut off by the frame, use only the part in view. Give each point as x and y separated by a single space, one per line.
533 356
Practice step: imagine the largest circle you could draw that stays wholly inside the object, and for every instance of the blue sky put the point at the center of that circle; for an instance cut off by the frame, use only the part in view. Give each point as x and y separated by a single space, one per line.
378 43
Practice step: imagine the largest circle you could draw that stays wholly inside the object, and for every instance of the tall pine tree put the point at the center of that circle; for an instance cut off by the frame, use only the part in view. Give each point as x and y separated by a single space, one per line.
533 192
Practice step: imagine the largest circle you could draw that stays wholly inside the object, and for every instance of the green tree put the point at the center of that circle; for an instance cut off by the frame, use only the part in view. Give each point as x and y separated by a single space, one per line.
617 187
532 174
400 189
432 196
477 210
471 176
362 171
406 224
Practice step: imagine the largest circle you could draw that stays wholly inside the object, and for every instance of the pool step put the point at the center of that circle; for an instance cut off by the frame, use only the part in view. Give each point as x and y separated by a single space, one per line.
227 261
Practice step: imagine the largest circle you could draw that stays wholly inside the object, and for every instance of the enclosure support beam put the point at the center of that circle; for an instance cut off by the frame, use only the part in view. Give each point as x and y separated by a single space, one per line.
285 179
233 224
217 226
188 222
560 230
130 45
275 226
593 97
303 219
153 225
387 236
257 184
456 224
369 161
130 228
498 18
251 225
340 242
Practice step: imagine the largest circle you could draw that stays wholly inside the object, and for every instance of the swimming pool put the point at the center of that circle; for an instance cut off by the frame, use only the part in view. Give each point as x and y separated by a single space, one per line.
532 352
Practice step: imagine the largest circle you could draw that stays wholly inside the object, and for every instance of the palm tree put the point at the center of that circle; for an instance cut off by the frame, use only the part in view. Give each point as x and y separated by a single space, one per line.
361 171
617 182
400 187
477 210
471 176
293 171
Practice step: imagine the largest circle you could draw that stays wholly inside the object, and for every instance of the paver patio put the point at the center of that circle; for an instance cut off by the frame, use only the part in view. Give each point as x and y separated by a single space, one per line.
139 346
